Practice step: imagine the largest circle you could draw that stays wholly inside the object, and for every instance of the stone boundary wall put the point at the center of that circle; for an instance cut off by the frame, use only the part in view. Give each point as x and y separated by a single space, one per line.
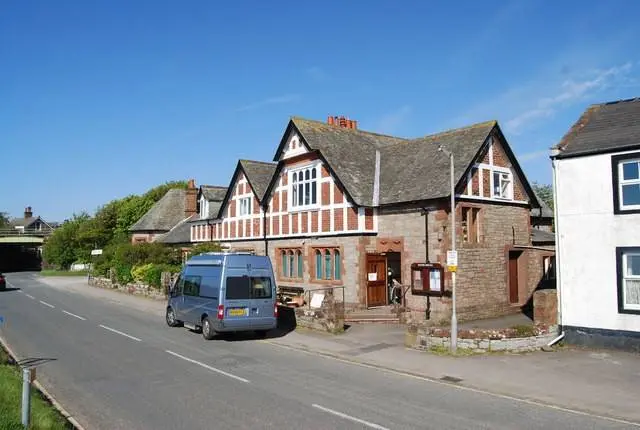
479 340
133 288
329 317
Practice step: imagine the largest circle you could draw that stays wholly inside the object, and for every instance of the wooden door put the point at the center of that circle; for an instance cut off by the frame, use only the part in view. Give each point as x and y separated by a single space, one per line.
376 280
513 277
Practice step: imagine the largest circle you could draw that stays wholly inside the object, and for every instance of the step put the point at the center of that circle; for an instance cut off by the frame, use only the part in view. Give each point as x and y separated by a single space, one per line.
372 320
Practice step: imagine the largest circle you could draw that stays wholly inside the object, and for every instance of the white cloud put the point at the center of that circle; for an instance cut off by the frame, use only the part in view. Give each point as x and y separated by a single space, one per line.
390 122
567 93
316 73
283 99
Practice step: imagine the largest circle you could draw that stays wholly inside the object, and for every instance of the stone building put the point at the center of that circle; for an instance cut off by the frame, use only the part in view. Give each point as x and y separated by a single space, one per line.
342 207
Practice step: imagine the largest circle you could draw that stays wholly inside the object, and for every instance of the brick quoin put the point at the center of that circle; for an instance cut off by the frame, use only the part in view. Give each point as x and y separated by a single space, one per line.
285 224
325 194
314 222
337 194
338 223
352 218
368 219
284 200
326 220
305 222
294 223
325 172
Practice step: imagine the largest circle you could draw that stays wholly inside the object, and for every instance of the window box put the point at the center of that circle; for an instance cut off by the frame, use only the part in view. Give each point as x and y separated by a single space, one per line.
625 173
628 271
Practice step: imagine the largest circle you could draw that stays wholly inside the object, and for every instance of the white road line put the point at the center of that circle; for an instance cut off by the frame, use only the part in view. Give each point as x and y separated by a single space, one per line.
30 296
350 418
47 304
206 366
120 333
432 380
74 315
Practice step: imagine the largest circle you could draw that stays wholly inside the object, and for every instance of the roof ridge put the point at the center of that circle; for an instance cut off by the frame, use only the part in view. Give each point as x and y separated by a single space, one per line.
357 130
629 100
214 186
491 122
269 163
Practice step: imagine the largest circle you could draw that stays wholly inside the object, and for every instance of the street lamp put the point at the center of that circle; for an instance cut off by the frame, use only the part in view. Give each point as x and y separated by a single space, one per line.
454 318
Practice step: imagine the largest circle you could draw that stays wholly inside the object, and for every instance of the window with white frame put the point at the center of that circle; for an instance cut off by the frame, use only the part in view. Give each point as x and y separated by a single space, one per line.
303 187
244 205
629 184
204 208
628 260
502 185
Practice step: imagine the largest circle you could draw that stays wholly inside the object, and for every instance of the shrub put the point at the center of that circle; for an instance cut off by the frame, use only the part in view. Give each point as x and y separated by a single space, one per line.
205 247
123 273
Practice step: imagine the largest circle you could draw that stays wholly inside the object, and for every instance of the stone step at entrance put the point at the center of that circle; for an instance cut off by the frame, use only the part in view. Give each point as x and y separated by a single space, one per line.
382 314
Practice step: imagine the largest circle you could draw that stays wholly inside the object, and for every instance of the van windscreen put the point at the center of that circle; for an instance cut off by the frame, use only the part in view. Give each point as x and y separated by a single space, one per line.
245 287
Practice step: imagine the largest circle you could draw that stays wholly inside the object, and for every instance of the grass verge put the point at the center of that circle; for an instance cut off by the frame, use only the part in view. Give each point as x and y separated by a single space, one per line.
63 273
43 415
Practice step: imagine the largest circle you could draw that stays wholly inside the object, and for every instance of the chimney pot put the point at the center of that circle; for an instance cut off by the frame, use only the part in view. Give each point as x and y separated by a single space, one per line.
342 121
330 120
28 213
191 183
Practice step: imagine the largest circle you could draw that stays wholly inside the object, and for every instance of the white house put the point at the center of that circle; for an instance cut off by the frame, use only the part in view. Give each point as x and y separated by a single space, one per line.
597 203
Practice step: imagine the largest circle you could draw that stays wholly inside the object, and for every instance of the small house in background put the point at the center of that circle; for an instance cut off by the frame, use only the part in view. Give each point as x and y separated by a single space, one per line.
597 198
175 207
31 224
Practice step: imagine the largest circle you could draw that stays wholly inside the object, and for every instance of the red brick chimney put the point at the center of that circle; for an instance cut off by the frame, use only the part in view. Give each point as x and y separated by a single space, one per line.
28 213
191 199
343 122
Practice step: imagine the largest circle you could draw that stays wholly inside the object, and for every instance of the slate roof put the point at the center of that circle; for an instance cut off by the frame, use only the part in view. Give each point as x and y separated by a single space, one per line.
541 237
605 127
410 169
180 233
544 211
164 214
213 192
259 175
23 222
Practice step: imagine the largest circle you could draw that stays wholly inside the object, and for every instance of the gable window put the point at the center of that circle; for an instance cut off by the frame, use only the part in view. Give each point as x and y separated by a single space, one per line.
292 266
244 205
502 185
625 170
628 268
328 264
304 187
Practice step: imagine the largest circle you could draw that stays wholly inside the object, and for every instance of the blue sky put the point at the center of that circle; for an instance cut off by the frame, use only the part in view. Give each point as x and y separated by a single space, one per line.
103 99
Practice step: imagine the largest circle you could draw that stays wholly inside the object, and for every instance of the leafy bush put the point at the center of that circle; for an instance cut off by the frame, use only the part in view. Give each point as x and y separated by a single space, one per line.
205 247
151 274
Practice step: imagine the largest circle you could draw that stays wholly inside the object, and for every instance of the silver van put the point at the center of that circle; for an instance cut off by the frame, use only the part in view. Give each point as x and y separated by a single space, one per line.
224 292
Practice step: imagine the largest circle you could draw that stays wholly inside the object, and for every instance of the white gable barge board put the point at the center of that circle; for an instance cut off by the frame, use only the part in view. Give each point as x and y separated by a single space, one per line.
589 233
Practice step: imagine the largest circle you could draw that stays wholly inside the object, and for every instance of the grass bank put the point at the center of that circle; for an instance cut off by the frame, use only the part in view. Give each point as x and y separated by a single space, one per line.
64 273
43 415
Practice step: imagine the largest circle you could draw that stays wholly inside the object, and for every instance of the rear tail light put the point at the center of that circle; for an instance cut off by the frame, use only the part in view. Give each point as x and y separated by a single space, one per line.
220 312
275 311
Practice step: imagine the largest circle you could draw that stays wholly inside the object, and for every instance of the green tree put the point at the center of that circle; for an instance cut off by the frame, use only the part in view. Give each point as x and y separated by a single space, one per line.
63 247
545 192
205 247
4 220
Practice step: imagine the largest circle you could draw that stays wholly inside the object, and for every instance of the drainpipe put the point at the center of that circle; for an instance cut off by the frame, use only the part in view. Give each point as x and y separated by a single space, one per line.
554 154
264 231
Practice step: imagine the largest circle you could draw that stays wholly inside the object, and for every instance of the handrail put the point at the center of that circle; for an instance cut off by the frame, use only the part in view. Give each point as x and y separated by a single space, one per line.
21 232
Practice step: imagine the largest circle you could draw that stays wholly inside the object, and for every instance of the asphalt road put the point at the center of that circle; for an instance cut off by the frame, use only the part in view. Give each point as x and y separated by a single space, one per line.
116 367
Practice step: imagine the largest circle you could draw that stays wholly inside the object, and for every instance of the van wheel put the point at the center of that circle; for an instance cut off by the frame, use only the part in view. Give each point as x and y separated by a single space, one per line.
207 331
171 318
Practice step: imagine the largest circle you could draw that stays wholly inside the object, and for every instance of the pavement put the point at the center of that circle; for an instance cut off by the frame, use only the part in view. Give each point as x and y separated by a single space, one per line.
116 365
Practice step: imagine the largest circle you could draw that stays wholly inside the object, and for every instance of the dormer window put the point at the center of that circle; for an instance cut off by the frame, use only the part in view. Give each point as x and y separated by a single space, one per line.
304 188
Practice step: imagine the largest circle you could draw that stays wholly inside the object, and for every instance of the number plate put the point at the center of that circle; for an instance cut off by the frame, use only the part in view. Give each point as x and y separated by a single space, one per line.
238 312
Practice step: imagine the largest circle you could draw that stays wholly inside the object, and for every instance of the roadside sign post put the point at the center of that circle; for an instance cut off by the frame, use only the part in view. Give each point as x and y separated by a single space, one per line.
94 252
28 376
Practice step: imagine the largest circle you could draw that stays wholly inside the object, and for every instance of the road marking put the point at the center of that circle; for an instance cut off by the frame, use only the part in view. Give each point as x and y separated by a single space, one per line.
47 304
120 333
350 418
30 296
74 315
537 403
206 366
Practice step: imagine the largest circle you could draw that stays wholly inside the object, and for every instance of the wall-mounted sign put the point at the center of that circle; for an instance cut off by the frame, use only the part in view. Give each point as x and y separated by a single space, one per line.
427 279
372 277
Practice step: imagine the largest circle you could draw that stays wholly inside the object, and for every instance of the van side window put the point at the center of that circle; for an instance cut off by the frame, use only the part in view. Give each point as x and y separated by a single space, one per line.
245 288
177 286
192 285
